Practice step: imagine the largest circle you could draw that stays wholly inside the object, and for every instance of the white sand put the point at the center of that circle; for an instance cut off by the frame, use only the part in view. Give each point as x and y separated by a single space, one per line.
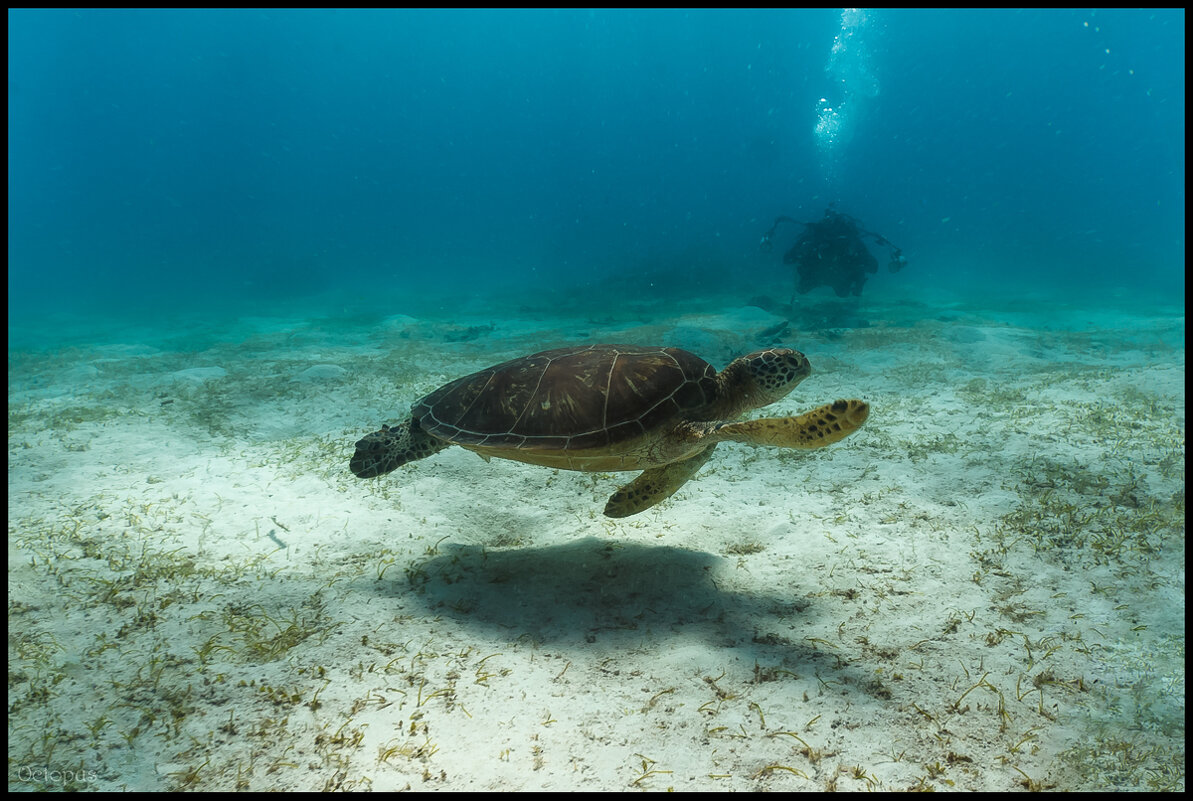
982 589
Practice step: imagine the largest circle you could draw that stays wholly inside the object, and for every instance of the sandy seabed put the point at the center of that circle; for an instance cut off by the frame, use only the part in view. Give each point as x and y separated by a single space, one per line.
983 589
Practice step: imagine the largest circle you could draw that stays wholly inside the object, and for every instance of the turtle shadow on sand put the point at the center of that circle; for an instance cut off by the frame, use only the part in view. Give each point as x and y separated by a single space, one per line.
596 593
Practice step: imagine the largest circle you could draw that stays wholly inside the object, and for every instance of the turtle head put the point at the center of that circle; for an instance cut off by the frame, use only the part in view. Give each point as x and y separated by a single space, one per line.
380 452
768 375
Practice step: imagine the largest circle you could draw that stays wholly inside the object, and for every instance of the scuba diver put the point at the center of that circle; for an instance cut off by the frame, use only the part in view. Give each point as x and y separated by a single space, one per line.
831 253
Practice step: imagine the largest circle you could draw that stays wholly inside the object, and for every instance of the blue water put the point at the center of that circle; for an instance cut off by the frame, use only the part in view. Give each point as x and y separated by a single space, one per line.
229 159
239 241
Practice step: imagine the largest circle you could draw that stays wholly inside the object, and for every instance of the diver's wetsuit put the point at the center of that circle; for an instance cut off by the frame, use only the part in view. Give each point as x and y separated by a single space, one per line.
831 253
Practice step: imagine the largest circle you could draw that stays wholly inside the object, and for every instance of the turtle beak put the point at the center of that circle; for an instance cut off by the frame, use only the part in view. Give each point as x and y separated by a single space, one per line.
803 367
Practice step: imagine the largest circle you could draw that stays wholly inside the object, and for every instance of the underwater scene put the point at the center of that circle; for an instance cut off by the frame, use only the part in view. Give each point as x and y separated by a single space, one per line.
596 400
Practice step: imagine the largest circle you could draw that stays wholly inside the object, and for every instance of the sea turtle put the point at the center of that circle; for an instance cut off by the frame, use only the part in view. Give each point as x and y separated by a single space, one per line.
611 407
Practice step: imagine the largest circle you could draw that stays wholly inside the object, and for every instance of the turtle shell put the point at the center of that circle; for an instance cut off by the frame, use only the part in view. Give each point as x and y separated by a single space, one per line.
578 399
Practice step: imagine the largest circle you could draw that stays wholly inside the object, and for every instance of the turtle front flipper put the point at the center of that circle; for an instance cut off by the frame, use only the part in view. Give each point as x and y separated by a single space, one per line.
390 448
815 429
654 485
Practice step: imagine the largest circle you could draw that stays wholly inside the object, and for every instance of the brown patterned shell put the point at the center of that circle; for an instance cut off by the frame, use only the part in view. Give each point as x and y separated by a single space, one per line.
579 399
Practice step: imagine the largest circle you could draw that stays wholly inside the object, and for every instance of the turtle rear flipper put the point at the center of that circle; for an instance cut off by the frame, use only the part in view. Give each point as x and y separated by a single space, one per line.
654 485
815 429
